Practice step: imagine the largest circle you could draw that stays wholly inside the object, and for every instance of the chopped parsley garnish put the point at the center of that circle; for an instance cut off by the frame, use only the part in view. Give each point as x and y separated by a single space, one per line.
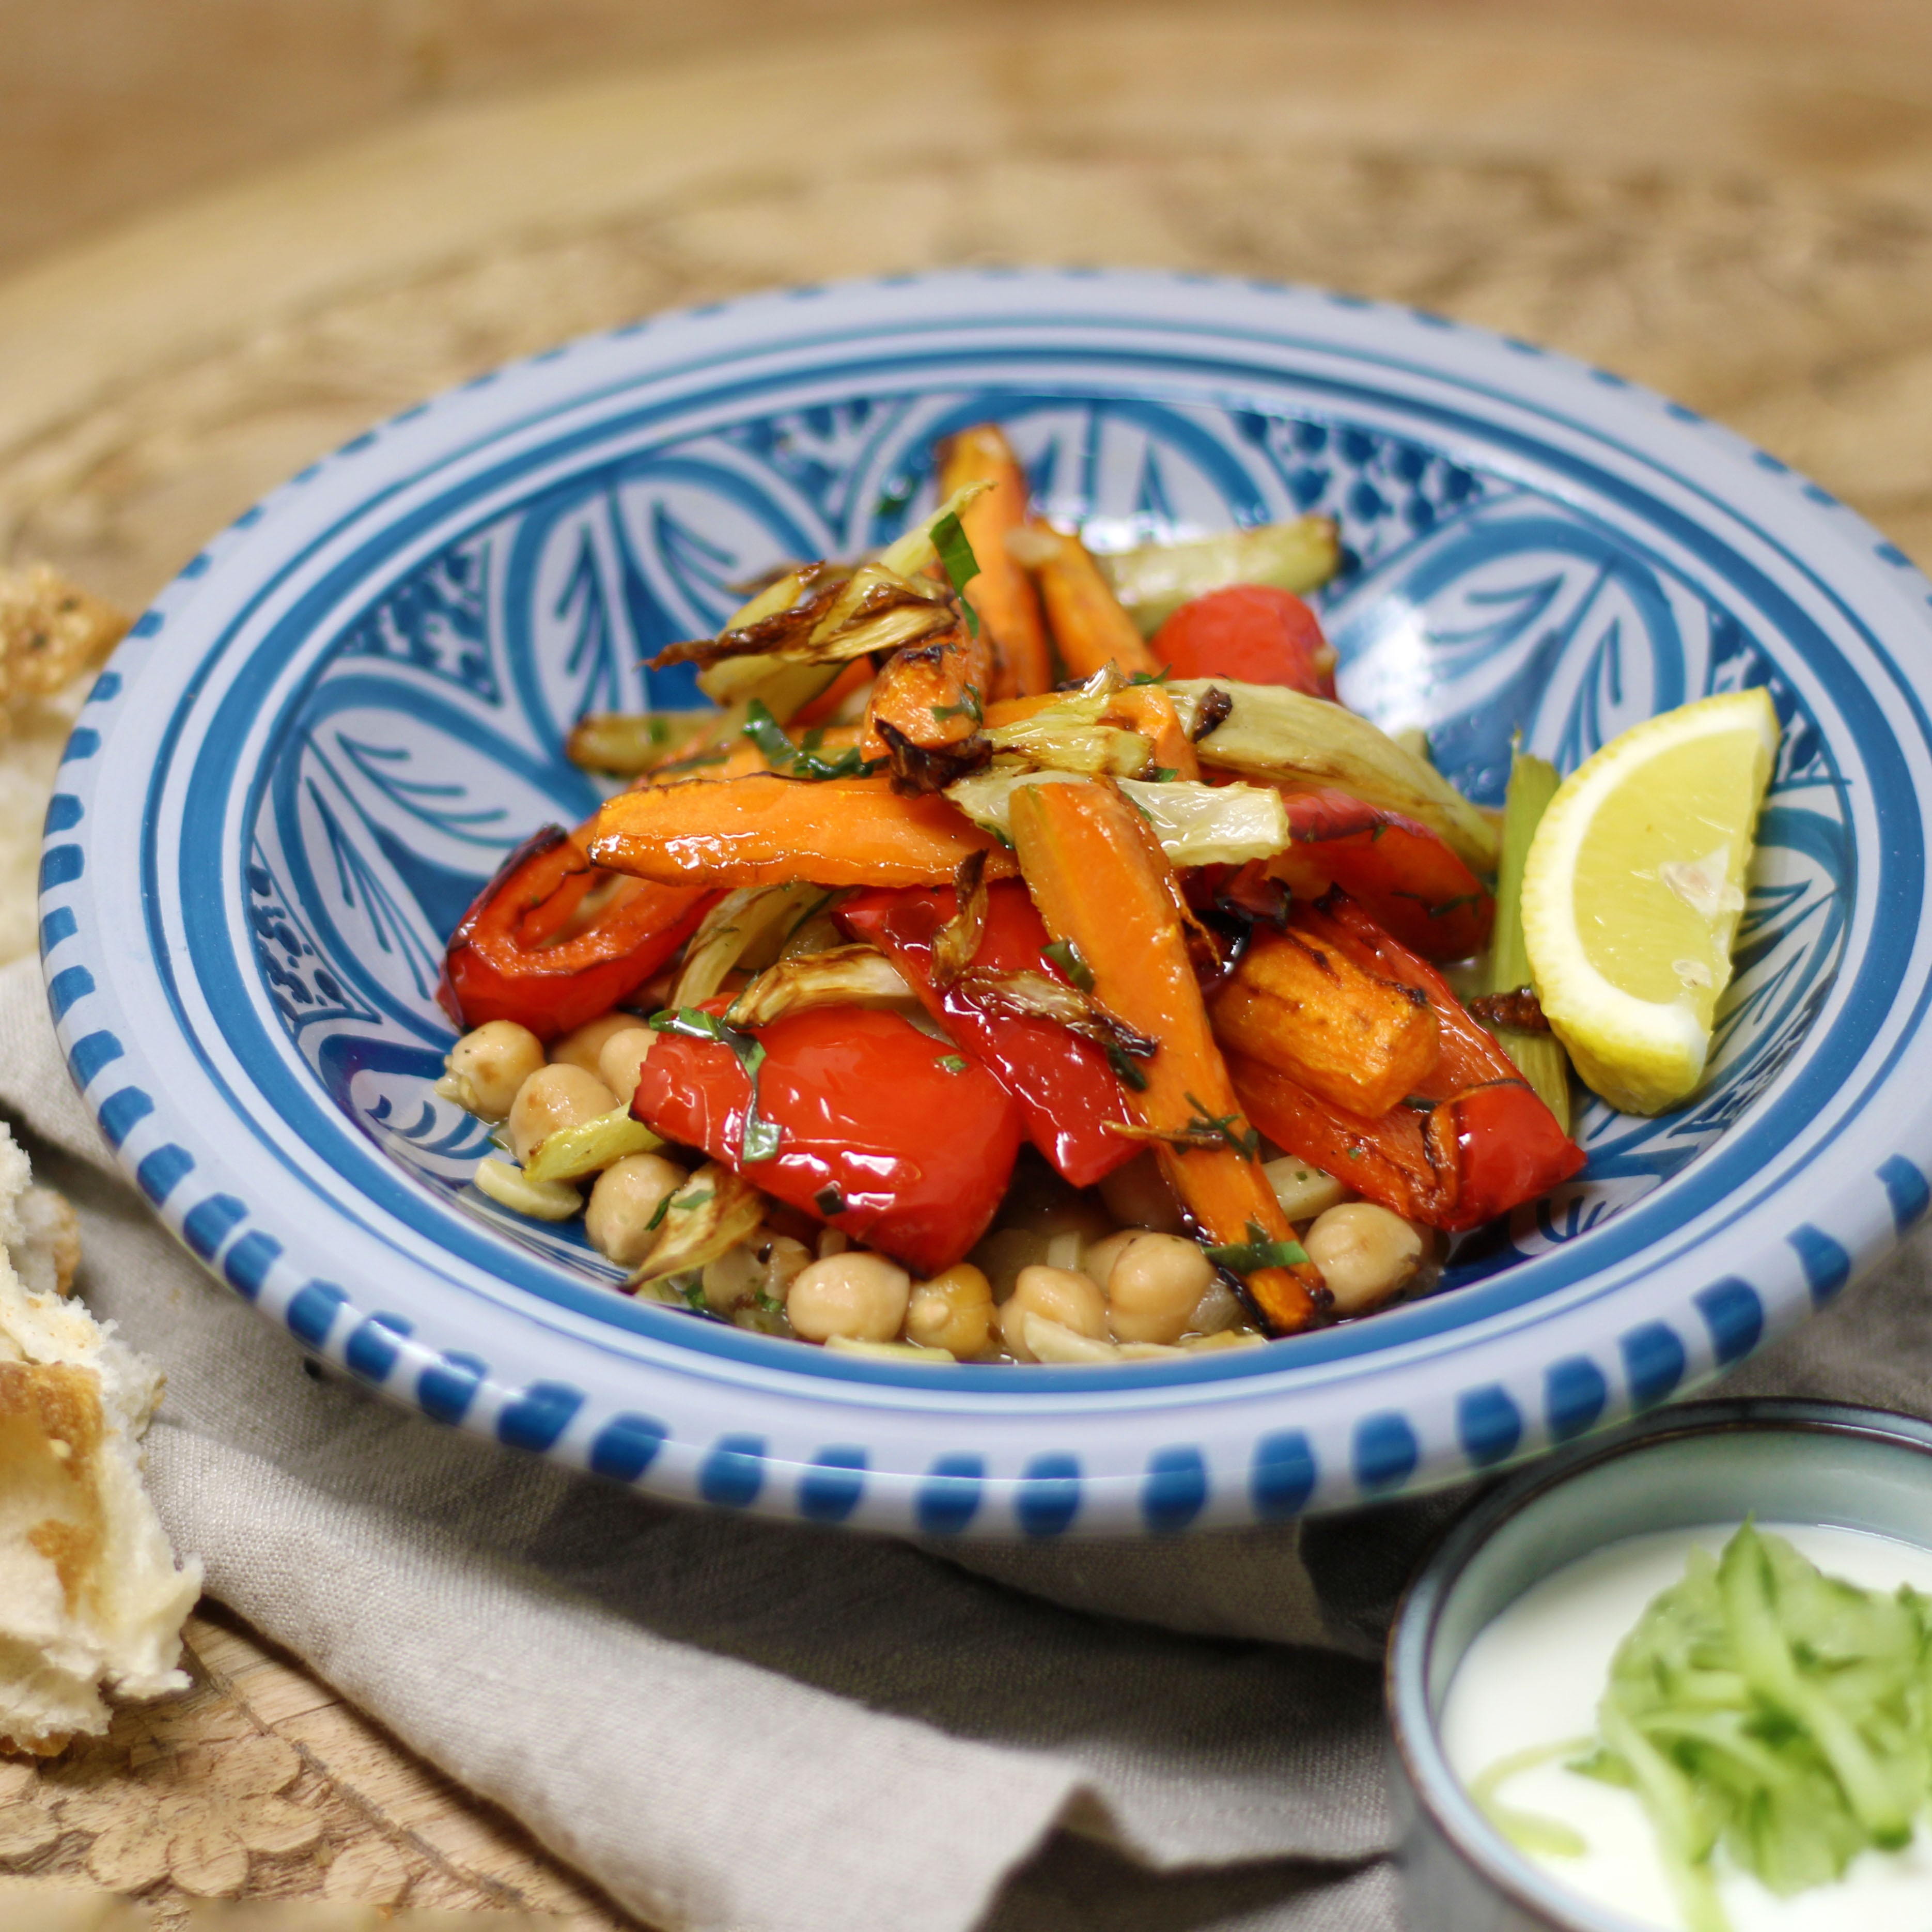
953 1063
1073 967
762 1137
663 1209
1221 1127
1129 1074
1258 1251
956 558
1159 676
968 707
803 761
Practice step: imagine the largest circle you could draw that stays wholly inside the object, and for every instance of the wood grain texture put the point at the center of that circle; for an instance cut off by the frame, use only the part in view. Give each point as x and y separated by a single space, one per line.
1731 199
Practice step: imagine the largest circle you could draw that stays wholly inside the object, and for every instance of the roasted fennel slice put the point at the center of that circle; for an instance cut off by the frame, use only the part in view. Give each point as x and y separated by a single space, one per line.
1266 731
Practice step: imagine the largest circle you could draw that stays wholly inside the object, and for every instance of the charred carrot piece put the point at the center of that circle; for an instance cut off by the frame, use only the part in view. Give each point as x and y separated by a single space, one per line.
768 830
925 709
1002 594
1089 626
1102 884
1347 1035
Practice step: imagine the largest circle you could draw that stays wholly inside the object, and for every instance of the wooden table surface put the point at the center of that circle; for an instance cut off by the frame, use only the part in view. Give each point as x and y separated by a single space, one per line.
1743 220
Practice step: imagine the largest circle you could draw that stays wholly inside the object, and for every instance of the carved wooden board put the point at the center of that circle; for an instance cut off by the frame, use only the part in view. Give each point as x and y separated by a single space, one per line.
1751 233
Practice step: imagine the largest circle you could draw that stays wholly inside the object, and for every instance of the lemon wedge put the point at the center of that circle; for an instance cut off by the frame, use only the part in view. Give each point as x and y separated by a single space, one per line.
1632 890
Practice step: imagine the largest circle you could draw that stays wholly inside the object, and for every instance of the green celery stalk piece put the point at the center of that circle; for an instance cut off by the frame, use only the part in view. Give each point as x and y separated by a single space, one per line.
1539 1057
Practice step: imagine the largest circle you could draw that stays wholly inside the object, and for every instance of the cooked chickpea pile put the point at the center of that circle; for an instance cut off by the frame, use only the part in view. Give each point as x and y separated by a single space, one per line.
1107 1275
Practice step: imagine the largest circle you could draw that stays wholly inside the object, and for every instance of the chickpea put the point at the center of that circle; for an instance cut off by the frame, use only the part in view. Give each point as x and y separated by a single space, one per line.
1365 1253
953 1310
622 1059
1138 1196
1060 1295
1156 1285
628 1194
485 1068
1098 1261
581 1045
784 1260
861 1296
554 1097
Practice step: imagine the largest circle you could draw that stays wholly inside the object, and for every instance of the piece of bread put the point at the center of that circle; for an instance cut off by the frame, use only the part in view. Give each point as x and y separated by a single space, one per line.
51 631
91 1598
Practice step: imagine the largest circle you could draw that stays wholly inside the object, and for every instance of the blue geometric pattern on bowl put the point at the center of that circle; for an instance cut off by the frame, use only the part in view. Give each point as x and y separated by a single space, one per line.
361 704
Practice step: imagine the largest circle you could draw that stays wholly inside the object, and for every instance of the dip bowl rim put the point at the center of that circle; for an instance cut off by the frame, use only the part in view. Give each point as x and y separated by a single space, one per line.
1419 1768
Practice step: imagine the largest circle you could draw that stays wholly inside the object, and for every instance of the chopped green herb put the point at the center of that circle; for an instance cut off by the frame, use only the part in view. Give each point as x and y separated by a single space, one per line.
1164 774
956 557
830 1200
1221 1127
1258 1251
702 1198
953 1063
1159 676
663 1209
767 734
777 748
762 1138
968 707
1073 967
1128 1073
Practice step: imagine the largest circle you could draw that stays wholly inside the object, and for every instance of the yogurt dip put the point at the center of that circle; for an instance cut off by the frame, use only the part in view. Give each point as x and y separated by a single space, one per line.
1533 1677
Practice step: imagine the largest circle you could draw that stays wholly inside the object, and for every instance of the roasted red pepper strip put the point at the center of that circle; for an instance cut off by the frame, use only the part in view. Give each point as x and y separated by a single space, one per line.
1067 1093
514 955
1251 631
876 1134
1412 884
1483 1145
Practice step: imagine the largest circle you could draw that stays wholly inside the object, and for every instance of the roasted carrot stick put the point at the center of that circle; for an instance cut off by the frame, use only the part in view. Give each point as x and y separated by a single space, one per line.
924 711
1102 882
767 830
1147 709
1002 594
1090 628
1347 1035
826 705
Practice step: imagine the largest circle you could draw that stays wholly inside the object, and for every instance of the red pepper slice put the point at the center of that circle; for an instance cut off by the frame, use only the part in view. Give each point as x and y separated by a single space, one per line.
1066 1091
1409 880
1483 1143
1509 1148
1251 631
537 948
876 1135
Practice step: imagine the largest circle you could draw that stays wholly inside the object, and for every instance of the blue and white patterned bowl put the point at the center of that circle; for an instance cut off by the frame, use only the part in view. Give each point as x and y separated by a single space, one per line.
327 731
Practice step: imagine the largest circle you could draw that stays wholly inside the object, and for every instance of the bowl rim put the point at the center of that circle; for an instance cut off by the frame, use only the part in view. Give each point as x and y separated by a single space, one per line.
1414 1734
1170 1485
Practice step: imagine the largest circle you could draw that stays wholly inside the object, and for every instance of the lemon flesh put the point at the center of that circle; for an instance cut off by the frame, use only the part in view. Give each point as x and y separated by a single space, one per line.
1632 890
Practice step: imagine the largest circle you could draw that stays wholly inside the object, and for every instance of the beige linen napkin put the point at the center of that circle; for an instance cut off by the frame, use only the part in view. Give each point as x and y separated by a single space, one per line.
734 1724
